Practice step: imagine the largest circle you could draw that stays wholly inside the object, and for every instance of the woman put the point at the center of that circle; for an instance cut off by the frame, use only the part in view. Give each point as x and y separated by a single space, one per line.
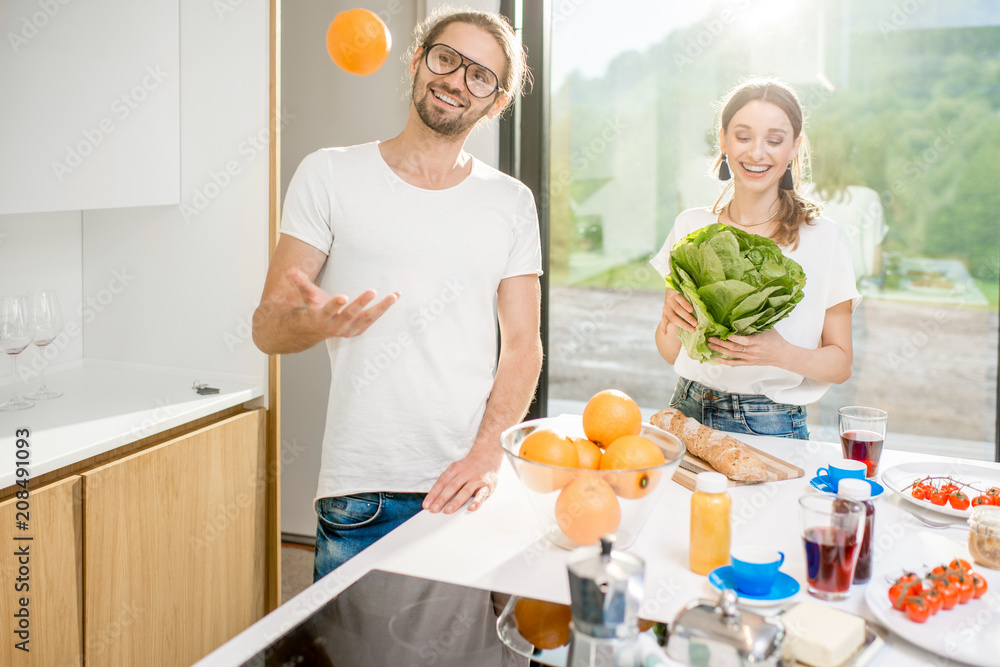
763 382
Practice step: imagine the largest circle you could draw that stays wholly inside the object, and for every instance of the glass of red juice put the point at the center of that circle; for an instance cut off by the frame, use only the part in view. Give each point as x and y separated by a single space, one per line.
832 530
862 432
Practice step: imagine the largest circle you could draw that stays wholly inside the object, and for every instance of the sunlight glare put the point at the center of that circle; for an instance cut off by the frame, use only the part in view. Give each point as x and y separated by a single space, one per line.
761 13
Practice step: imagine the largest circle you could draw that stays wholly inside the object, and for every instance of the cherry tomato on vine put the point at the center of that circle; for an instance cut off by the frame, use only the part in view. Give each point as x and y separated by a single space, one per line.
960 564
983 500
934 600
978 586
939 497
919 493
950 487
898 594
993 491
949 593
966 590
958 500
917 609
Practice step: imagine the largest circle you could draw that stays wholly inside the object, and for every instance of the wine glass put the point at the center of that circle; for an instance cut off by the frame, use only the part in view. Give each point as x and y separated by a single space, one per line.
16 333
48 323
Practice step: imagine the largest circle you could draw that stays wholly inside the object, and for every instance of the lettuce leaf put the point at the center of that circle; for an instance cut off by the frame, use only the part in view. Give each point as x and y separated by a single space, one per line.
737 282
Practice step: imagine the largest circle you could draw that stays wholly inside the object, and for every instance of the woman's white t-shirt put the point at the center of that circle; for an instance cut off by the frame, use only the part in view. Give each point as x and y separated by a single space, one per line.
824 255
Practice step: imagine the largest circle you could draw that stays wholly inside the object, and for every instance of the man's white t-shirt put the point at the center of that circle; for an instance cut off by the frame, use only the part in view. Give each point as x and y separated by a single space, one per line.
407 395
824 255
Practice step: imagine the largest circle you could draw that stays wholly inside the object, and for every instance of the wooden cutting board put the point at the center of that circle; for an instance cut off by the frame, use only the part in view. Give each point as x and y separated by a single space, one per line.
776 469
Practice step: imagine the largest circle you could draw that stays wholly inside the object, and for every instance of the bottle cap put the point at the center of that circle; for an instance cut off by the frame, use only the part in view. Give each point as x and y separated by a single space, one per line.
711 482
855 489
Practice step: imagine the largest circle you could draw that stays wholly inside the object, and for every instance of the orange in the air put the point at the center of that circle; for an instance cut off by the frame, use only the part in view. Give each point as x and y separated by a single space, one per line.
609 415
544 624
587 508
633 452
358 41
554 449
589 453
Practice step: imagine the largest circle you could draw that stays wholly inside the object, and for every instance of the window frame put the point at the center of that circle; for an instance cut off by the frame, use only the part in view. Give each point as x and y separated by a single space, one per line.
524 154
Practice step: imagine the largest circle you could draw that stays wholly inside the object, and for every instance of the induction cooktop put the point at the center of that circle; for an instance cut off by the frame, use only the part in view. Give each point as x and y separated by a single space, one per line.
389 619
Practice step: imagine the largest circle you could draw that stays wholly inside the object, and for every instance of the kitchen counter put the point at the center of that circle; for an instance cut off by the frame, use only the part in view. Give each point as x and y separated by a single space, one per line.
501 548
107 405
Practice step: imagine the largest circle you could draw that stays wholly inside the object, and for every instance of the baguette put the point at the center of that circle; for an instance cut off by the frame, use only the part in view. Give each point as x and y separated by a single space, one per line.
724 453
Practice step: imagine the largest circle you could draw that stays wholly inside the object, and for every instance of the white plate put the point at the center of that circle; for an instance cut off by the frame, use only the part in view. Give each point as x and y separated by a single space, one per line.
898 478
968 633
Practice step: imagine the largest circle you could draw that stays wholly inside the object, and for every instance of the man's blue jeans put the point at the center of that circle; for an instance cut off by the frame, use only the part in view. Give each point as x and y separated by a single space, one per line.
739 413
345 525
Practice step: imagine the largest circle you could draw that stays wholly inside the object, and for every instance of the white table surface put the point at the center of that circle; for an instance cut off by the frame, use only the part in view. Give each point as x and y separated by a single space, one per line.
500 547
107 405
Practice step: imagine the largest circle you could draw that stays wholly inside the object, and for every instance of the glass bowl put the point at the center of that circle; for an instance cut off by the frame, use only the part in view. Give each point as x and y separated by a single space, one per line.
574 506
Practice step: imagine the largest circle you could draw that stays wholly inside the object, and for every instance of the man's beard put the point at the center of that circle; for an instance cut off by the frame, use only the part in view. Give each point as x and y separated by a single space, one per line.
434 118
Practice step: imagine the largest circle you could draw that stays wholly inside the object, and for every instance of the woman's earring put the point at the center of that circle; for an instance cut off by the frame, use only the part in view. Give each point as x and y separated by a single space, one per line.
787 182
724 174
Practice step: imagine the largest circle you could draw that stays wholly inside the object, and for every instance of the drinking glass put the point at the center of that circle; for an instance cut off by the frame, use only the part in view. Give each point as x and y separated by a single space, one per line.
832 531
862 432
16 333
48 323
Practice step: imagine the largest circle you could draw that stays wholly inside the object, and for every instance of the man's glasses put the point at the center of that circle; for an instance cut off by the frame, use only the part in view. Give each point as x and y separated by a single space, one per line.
442 59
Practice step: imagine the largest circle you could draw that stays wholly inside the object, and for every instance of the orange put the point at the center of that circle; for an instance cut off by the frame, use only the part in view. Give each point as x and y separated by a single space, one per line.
633 452
609 415
358 41
586 509
544 624
589 453
553 449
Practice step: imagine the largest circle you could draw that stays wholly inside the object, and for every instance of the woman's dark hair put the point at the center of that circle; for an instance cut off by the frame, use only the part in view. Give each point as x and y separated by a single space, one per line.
796 209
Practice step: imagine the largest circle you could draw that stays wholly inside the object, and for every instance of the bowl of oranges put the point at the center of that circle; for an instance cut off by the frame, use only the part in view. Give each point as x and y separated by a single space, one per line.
593 475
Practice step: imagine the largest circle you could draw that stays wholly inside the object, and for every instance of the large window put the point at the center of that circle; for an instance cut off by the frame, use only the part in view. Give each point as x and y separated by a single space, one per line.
903 108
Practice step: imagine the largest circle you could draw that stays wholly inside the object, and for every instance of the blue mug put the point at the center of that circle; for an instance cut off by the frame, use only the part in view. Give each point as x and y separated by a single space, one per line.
755 569
841 469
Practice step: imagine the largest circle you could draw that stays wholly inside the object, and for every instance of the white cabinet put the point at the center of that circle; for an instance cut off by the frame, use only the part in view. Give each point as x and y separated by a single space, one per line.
91 111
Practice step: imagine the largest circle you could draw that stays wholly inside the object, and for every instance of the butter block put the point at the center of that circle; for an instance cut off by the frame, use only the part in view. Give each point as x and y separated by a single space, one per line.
820 635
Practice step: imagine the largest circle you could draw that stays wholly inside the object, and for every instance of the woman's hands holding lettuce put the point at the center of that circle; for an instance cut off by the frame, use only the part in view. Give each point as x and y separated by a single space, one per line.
736 283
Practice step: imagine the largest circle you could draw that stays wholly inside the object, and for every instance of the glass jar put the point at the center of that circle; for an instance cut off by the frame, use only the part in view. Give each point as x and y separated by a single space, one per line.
984 536
710 523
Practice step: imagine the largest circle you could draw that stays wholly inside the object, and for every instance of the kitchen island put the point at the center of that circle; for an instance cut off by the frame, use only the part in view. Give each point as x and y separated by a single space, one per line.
501 548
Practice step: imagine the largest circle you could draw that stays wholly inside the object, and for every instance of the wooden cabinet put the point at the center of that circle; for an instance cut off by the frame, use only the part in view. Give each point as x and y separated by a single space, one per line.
175 546
49 577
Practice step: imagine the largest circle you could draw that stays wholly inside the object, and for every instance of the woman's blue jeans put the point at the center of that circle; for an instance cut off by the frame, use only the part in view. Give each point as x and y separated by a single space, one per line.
739 413
345 525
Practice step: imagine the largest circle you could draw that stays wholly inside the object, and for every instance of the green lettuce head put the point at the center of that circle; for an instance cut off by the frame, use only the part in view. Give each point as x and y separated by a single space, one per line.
737 282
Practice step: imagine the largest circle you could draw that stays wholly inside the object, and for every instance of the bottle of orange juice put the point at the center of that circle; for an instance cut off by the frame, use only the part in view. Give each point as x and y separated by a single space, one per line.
710 523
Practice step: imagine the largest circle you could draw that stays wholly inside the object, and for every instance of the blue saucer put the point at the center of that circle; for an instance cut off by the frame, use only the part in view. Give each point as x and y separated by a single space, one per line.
820 485
784 586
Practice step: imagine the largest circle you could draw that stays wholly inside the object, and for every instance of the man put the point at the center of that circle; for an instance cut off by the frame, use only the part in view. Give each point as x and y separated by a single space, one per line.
415 409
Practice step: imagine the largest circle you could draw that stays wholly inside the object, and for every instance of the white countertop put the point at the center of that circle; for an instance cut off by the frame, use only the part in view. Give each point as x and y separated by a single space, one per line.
105 406
500 548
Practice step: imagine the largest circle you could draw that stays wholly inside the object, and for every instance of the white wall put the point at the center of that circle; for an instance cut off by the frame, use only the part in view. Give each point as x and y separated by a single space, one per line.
184 280
325 106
